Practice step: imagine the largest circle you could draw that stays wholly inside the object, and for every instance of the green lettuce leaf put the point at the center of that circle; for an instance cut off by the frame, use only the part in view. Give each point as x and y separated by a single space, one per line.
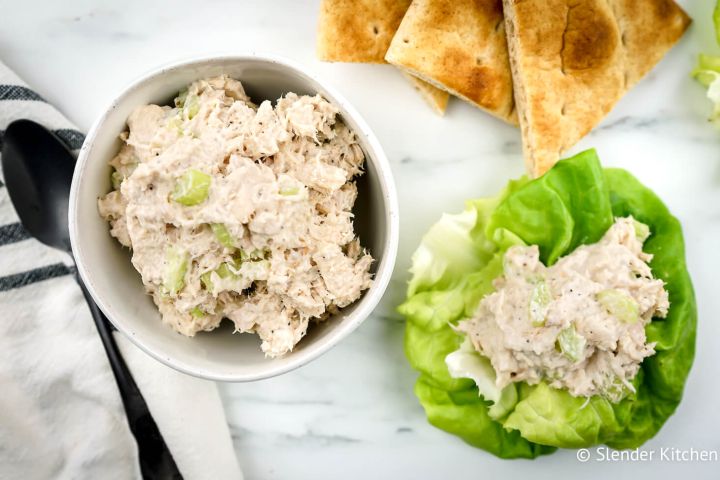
716 21
466 362
573 204
551 416
465 414
707 71
557 212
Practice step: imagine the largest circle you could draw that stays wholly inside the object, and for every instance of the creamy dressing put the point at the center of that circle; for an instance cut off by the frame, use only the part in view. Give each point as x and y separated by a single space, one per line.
240 211
579 324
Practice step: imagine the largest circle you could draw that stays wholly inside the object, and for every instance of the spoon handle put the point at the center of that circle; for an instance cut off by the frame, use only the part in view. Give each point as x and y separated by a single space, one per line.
156 461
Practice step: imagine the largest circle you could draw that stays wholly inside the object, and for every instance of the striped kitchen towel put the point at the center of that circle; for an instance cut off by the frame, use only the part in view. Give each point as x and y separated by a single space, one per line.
37 264
60 412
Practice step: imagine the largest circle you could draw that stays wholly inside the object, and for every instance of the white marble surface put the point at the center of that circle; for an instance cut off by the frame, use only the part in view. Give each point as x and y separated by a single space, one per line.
352 412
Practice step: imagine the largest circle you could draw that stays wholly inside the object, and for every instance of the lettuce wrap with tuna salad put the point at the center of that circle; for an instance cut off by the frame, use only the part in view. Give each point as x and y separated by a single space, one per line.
465 262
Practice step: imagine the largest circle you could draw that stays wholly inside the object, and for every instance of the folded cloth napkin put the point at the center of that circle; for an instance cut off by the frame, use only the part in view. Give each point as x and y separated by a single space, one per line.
60 411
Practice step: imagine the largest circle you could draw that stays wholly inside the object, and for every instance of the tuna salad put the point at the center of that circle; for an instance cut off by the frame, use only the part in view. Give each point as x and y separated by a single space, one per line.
239 211
578 324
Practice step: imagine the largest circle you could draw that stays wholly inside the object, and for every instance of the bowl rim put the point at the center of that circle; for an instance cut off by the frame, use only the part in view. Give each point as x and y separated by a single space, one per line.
369 300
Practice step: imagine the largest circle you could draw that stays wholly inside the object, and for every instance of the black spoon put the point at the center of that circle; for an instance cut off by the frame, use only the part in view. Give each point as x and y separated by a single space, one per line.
38 169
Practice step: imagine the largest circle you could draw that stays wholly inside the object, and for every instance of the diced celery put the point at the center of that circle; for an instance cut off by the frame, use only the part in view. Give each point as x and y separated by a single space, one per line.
222 235
642 231
192 188
620 305
289 191
225 270
197 313
571 343
192 106
116 179
175 268
617 390
256 254
180 99
175 123
540 300
206 281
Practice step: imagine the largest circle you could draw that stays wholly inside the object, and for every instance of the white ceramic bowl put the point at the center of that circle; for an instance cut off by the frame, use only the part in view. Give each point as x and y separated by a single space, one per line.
116 286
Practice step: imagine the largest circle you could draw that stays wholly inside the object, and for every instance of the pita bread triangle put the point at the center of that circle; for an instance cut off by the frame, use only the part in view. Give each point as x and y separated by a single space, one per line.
459 46
358 30
572 60
361 31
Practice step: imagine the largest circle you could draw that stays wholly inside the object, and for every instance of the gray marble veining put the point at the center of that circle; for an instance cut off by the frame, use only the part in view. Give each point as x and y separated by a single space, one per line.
352 414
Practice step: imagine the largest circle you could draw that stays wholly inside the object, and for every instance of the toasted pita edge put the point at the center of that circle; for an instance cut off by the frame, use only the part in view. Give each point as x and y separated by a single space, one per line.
435 97
518 89
414 61
512 119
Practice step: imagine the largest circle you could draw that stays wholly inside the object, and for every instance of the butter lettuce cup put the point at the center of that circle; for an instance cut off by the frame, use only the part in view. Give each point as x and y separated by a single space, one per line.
559 314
